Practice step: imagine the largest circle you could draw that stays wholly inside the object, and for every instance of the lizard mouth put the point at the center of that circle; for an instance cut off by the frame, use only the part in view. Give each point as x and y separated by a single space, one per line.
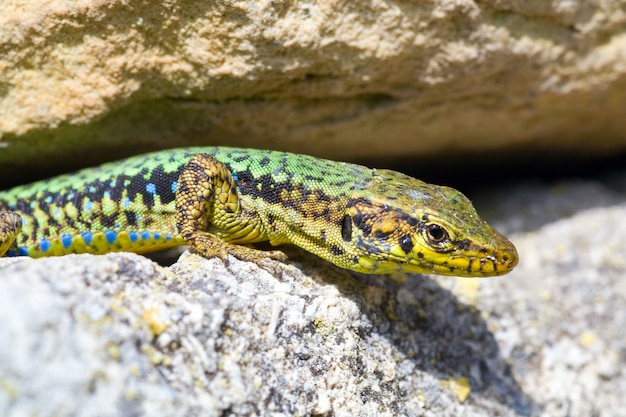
482 262
476 264
475 260
501 262
504 258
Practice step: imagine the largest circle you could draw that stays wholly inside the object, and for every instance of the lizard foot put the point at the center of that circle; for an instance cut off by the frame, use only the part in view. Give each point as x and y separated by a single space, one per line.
10 226
211 247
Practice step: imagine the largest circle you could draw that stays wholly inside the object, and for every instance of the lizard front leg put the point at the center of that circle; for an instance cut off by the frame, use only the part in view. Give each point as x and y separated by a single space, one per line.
207 196
10 226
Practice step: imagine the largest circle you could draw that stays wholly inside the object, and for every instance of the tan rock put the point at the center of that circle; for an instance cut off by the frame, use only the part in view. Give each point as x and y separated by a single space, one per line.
333 78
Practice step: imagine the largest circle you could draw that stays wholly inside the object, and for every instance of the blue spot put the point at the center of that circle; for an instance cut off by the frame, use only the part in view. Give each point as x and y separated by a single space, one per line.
168 237
23 251
110 235
157 235
151 188
87 237
70 196
66 240
112 183
48 199
44 245
133 236
106 194
174 186
56 212
126 202
88 205
92 189
235 177
145 235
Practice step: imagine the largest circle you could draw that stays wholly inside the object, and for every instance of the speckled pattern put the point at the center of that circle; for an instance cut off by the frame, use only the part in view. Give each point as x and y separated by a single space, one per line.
367 220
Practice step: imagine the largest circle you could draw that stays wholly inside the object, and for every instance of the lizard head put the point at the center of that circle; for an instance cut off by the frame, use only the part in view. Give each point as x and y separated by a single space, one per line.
396 222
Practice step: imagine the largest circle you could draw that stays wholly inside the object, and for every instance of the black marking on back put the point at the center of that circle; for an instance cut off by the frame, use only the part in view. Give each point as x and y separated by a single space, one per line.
108 221
240 158
381 235
336 250
164 181
95 191
286 193
131 218
365 218
346 228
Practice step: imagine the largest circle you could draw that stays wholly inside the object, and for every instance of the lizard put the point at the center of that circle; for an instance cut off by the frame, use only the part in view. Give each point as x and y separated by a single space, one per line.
222 200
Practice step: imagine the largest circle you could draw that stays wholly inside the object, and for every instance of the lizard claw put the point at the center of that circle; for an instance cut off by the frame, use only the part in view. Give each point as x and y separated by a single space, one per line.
276 255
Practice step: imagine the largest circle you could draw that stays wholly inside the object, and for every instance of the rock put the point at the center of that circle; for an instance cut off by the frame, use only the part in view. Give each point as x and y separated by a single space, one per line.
565 302
101 79
120 335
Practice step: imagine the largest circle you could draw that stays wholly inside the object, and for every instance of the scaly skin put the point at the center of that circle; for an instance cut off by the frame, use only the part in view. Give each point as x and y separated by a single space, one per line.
217 199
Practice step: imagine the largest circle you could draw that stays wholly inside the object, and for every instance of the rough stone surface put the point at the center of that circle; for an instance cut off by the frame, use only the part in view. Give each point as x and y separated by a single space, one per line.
119 335
377 77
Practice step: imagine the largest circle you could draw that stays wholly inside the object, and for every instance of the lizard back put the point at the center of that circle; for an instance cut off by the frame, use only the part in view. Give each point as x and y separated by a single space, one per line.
130 204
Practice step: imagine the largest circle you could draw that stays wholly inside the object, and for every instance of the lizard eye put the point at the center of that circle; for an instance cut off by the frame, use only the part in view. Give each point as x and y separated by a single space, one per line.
346 228
436 234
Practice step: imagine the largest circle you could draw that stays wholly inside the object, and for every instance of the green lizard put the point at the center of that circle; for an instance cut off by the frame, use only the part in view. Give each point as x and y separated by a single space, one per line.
217 199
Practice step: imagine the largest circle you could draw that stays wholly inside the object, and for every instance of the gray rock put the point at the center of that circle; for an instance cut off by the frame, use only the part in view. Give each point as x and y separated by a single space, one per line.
118 335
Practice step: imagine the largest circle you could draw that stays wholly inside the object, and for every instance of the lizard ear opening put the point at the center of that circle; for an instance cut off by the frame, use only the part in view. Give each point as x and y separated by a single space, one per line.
406 243
346 228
